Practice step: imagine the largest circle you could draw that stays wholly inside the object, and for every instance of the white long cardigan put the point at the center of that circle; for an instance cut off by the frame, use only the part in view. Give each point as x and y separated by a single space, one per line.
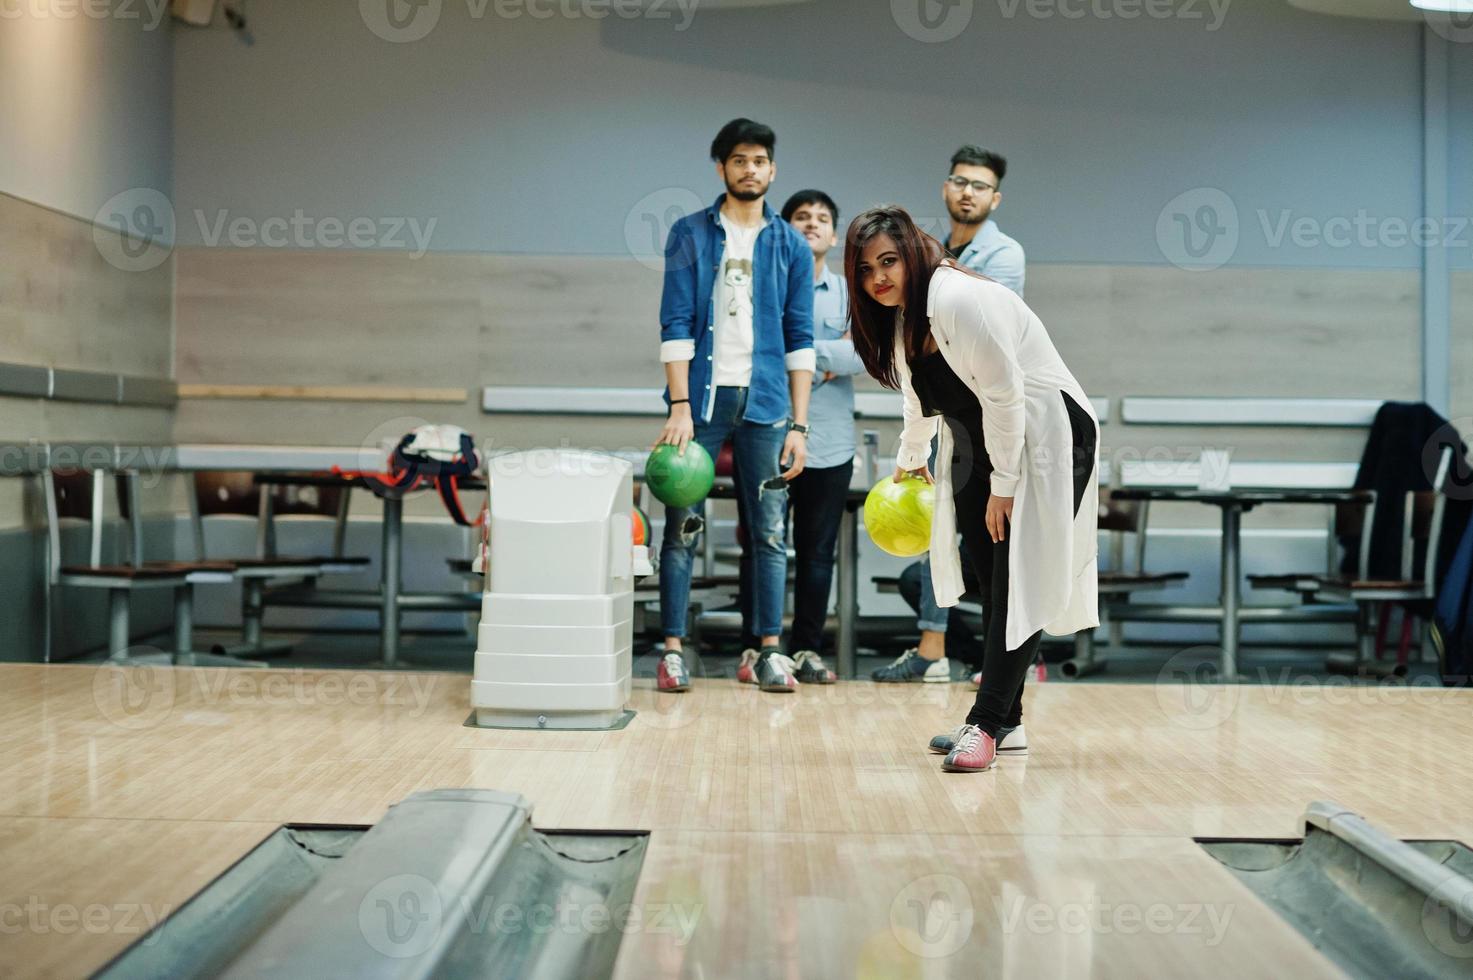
996 344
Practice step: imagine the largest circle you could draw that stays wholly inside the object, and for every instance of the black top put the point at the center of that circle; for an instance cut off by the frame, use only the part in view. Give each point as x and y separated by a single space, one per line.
942 393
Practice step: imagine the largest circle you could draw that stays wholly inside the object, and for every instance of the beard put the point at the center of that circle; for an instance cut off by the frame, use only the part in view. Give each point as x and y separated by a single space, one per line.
968 218
741 193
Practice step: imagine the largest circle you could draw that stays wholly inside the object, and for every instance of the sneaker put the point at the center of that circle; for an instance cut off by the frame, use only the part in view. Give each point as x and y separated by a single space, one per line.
775 672
671 674
747 669
812 669
975 751
910 666
977 679
1010 741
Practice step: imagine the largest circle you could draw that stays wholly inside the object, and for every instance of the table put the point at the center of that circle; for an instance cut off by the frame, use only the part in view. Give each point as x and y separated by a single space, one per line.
390 597
1234 504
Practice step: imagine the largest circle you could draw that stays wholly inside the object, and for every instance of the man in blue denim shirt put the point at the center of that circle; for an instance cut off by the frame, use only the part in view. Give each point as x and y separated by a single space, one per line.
970 192
736 330
817 495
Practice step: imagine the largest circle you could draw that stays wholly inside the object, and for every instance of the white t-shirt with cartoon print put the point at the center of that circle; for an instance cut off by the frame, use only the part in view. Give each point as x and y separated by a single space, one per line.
732 351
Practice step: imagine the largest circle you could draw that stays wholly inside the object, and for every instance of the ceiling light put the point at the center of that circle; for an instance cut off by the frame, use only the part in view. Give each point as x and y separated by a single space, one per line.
1445 6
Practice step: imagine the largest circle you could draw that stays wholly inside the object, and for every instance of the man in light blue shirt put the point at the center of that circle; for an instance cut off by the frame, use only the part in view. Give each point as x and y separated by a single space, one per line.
971 195
970 192
817 494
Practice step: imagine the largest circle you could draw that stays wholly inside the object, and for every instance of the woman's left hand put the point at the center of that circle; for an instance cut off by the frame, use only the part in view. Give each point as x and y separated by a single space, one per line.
999 513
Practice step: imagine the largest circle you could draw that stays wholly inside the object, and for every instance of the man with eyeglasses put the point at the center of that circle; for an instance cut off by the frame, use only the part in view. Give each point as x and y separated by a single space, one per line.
971 195
970 192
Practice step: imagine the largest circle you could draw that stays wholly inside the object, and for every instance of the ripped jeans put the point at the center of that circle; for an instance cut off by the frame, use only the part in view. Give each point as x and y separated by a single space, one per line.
756 448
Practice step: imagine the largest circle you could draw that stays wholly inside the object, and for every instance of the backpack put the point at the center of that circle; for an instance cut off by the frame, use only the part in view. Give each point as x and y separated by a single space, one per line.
435 454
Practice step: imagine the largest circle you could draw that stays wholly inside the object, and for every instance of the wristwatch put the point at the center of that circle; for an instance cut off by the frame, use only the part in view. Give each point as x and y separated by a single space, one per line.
798 427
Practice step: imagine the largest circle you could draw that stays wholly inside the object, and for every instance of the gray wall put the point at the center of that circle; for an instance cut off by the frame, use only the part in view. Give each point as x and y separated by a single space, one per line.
1460 203
546 137
87 107
86 116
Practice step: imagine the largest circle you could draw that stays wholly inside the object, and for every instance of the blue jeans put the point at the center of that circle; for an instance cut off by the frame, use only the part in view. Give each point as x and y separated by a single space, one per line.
961 642
756 447
817 495
931 616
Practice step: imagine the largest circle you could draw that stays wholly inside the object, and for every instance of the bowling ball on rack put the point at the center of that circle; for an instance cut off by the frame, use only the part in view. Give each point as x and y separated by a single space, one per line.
679 479
898 515
641 526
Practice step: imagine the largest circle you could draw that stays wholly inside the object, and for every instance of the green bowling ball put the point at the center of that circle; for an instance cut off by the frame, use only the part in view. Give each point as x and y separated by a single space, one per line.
679 480
898 515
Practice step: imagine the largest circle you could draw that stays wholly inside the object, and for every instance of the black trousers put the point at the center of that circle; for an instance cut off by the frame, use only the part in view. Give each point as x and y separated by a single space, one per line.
999 699
999 702
815 508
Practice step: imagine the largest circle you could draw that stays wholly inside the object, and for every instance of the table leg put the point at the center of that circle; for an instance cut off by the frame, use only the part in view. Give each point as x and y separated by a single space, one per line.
1231 592
391 578
848 591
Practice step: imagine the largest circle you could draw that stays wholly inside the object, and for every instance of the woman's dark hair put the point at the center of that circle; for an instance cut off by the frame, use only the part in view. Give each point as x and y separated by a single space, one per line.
740 131
872 325
810 197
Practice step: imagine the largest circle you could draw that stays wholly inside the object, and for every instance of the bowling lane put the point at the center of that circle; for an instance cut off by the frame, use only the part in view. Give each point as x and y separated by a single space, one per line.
943 905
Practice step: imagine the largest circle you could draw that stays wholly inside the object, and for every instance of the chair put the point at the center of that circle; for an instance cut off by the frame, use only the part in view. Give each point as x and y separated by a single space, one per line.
1121 581
1350 521
197 571
80 495
1414 592
226 494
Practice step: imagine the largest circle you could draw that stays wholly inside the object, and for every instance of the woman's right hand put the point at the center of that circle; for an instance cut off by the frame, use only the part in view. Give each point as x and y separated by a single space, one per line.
924 473
679 429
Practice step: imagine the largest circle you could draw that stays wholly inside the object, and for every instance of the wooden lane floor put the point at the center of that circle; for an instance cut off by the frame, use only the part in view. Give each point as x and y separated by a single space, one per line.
806 834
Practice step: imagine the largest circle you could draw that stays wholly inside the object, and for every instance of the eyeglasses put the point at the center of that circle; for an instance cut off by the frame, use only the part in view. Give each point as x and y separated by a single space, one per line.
962 183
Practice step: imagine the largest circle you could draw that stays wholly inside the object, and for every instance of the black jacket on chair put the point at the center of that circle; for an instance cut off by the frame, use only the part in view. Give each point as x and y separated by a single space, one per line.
1401 455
